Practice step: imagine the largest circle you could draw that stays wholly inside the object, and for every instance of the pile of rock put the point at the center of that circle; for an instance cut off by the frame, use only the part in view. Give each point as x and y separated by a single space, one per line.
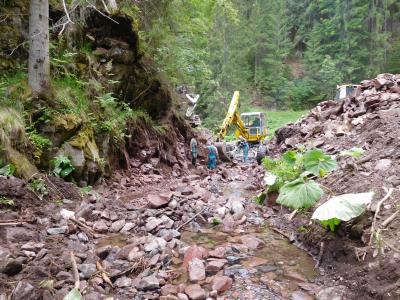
375 106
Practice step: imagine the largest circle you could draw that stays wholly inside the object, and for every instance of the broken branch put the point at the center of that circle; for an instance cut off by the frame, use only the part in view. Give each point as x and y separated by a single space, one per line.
11 223
191 219
104 274
320 255
390 219
75 272
291 216
83 226
281 232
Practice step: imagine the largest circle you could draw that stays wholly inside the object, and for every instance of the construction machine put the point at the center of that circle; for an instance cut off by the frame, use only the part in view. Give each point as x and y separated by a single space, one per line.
189 100
250 126
345 90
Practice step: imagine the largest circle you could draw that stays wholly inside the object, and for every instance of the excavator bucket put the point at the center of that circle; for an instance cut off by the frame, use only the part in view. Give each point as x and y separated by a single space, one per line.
224 151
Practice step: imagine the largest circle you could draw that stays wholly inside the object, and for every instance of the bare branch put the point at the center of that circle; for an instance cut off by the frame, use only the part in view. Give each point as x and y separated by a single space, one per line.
104 15
66 12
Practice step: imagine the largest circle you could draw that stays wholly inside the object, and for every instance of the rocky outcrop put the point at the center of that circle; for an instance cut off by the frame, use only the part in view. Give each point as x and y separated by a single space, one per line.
106 57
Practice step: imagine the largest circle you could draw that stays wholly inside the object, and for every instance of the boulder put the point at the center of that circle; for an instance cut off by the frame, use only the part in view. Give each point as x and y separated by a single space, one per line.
221 284
152 223
127 227
192 252
169 289
252 242
339 292
148 283
182 296
123 282
195 292
57 230
214 266
197 270
218 252
117 225
100 226
86 270
157 201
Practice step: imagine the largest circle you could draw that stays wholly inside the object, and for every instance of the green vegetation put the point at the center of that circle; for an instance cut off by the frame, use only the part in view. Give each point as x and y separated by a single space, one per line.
39 142
5 201
353 152
62 167
73 294
278 119
216 221
7 170
280 54
38 186
292 175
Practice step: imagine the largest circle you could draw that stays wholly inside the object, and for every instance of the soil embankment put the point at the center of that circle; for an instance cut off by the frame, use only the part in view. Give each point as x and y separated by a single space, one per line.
370 120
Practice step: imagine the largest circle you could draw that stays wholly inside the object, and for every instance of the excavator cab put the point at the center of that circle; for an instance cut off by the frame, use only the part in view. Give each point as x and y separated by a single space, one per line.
255 124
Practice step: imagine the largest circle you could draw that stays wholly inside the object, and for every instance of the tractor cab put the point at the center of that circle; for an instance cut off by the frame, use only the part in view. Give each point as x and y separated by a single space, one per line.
345 90
255 124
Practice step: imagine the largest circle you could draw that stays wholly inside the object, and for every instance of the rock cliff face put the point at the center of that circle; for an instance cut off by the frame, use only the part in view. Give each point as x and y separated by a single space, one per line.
103 54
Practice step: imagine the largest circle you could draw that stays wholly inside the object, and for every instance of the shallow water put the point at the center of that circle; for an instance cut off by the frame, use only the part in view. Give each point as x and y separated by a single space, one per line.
289 264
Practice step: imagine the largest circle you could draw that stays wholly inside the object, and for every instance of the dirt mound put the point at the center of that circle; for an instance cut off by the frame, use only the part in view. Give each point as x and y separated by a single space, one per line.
369 120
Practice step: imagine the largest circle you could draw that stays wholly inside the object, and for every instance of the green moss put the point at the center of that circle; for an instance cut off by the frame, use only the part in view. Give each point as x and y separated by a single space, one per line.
85 141
67 122
24 168
12 128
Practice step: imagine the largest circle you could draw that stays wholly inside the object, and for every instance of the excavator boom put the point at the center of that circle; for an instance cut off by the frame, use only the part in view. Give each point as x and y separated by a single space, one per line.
233 117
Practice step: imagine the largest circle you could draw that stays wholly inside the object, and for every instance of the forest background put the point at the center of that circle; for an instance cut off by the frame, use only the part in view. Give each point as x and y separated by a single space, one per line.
281 54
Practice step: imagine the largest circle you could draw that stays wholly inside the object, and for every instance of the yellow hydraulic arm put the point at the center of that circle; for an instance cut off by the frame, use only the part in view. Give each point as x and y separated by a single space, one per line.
233 117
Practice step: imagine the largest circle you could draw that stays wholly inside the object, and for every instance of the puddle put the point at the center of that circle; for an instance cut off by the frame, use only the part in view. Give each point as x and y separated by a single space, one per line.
279 264
118 240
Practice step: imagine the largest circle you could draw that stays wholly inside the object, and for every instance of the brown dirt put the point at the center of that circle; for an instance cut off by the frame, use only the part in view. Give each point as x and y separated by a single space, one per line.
370 121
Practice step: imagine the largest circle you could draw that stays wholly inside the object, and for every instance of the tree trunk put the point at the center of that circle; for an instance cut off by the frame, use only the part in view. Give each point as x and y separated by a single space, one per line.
112 5
39 65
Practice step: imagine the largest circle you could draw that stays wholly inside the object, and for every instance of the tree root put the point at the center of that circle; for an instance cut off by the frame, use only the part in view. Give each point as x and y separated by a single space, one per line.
378 208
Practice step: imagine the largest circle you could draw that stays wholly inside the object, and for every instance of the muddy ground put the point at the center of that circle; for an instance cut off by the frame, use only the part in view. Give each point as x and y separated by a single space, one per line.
370 120
194 235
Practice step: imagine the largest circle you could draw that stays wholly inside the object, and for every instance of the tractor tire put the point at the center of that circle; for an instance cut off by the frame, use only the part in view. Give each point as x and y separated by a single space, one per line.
261 153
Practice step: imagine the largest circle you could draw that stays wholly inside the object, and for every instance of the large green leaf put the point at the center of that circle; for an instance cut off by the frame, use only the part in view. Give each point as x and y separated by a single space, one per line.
318 163
344 207
74 294
300 193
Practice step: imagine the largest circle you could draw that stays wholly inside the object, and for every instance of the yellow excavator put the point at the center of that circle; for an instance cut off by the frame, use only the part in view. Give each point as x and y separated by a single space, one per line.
250 126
